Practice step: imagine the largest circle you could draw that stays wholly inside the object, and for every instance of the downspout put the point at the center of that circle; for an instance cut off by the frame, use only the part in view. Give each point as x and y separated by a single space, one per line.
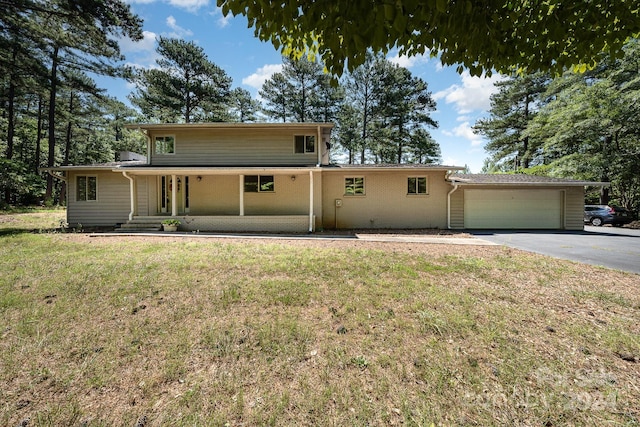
455 187
132 196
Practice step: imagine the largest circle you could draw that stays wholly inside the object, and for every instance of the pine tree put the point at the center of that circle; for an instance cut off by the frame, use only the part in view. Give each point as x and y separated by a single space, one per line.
243 107
277 94
187 87
512 109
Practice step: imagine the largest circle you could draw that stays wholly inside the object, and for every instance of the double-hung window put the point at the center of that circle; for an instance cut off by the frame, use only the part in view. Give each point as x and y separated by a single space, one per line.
259 184
354 186
417 185
86 188
164 145
305 144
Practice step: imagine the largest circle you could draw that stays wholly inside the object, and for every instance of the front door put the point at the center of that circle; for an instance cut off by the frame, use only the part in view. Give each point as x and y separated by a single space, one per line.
182 193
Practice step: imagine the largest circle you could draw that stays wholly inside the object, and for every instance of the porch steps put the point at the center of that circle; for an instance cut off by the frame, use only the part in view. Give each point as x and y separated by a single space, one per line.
140 225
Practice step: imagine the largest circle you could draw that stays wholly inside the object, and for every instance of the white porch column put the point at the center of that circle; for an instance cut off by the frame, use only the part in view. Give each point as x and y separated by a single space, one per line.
310 201
174 196
241 195
319 144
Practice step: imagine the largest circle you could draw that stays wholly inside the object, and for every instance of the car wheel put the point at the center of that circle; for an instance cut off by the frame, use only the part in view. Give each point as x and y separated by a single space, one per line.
596 221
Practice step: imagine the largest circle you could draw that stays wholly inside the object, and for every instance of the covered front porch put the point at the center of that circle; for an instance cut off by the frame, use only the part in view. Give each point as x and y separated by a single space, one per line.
226 199
196 224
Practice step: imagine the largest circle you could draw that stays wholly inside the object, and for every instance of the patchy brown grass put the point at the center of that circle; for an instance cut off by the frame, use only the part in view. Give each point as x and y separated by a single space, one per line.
180 331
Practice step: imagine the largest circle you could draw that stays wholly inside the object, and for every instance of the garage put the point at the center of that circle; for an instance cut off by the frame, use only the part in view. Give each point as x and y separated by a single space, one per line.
513 209
516 201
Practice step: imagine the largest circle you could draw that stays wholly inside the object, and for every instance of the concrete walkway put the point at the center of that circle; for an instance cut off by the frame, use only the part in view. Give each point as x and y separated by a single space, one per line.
365 237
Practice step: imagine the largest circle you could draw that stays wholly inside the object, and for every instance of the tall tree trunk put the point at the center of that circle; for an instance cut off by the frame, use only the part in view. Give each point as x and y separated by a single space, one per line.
36 164
525 141
67 147
525 151
365 123
67 140
52 121
604 191
11 116
400 143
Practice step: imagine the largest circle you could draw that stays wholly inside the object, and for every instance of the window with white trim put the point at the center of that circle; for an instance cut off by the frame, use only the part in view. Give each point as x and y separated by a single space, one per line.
305 144
86 188
164 144
259 184
417 185
354 186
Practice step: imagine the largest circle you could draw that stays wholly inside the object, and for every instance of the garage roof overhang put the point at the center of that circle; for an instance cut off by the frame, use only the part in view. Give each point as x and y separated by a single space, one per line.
520 180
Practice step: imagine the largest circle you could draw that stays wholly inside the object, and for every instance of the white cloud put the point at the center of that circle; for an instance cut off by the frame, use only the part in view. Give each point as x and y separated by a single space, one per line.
450 161
463 130
408 61
190 5
221 20
178 31
147 44
262 74
472 95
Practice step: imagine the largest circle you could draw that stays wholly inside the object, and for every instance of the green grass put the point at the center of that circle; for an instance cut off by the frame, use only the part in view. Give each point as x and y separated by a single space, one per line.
197 332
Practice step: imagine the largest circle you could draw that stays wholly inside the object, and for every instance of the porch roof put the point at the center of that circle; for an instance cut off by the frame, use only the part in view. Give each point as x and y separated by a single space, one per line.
212 170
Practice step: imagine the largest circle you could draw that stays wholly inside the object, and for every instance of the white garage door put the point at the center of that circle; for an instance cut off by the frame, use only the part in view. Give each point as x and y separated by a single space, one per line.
512 209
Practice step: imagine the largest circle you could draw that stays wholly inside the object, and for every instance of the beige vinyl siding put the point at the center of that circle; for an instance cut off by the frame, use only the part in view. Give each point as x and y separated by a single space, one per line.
142 182
113 202
385 203
457 208
574 208
236 147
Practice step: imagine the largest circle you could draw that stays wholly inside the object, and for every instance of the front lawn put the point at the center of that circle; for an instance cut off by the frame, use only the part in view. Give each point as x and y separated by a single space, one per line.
103 331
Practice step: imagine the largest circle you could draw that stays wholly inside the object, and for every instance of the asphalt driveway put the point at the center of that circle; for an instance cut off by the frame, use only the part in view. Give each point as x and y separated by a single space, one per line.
617 248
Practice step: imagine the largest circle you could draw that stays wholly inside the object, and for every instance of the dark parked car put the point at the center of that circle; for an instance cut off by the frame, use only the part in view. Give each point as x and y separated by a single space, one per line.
601 214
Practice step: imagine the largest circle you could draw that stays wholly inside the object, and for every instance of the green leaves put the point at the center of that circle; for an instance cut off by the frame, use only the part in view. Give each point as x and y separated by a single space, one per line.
493 36
583 125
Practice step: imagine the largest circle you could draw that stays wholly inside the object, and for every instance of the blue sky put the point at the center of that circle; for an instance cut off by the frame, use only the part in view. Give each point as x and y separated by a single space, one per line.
230 44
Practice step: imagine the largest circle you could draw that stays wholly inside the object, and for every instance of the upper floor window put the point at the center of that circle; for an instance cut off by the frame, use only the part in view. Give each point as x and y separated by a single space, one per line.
305 144
259 184
354 186
164 144
86 188
417 185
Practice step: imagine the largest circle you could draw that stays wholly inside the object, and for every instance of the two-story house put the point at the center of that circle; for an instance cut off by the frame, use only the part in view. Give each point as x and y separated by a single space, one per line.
277 177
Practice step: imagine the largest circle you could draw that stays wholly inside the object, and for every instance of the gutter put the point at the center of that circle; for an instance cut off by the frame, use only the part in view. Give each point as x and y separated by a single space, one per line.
60 177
